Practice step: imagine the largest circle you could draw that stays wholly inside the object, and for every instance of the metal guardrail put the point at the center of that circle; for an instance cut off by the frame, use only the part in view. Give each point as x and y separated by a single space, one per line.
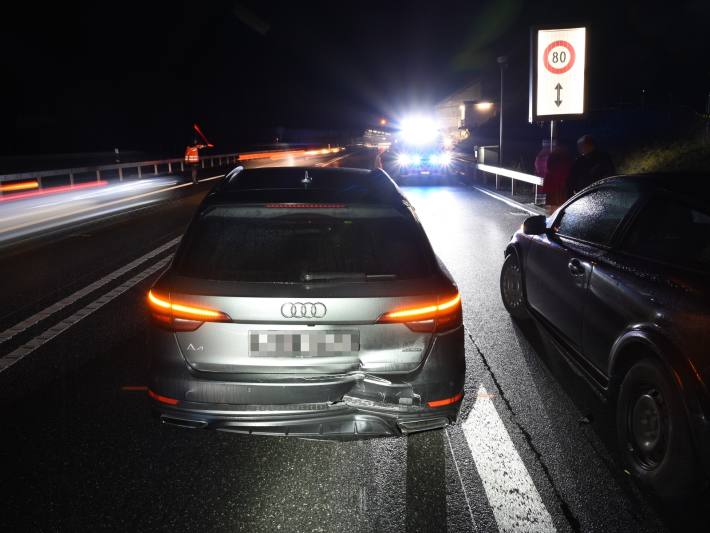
498 172
514 176
155 167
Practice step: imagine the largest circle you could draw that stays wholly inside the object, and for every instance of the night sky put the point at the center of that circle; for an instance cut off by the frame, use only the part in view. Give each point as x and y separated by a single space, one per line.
92 76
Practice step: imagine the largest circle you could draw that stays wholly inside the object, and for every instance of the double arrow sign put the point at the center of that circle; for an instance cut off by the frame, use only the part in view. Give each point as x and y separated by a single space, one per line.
558 88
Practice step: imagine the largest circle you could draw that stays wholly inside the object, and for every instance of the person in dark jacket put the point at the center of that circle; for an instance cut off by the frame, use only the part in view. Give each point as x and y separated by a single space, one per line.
590 166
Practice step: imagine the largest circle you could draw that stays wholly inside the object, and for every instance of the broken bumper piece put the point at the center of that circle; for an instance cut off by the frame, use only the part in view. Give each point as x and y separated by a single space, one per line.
351 418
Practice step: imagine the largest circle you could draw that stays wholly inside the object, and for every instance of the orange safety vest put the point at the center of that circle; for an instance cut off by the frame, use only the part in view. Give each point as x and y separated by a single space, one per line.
192 154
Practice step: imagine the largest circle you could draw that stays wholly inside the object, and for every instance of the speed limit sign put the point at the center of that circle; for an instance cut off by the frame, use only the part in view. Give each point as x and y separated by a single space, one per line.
558 73
559 57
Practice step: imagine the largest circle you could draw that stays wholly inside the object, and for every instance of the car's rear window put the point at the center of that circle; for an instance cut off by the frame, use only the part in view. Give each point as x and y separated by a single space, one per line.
295 245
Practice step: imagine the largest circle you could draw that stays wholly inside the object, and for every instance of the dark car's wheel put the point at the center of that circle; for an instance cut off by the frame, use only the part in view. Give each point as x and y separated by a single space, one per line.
653 433
511 287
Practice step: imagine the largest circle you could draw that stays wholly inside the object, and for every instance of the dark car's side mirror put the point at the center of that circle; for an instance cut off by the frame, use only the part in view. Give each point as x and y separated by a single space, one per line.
536 225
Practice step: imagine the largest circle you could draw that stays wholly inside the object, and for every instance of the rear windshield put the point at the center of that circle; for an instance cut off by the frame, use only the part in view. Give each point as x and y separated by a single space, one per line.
298 245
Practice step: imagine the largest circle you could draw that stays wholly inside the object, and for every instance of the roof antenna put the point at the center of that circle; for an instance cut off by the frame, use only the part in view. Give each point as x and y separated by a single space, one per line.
306 180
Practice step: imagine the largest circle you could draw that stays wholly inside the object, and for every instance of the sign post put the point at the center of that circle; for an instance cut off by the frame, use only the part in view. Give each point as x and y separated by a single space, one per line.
558 63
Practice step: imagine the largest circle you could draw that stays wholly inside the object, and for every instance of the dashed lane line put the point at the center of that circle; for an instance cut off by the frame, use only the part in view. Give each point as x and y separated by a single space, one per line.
26 349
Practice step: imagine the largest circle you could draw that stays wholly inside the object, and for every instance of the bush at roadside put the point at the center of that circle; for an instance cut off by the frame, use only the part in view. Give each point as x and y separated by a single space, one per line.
680 156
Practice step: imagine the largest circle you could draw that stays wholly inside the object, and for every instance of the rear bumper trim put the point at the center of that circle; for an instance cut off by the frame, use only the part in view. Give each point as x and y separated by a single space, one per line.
339 421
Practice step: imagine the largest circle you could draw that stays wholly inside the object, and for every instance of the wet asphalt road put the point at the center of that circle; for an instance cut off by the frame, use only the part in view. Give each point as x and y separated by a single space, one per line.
79 450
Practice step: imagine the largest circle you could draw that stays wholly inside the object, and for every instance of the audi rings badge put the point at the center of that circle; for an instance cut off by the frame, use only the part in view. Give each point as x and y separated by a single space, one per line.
303 310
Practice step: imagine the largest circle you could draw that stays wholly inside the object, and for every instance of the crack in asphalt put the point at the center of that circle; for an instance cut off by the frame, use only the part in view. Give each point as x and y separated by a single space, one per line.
564 506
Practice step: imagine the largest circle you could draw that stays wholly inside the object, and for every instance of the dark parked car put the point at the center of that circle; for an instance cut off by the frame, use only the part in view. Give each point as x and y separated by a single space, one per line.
619 277
307 302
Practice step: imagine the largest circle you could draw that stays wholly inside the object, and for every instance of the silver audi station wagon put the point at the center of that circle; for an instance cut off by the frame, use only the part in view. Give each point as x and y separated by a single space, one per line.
306 302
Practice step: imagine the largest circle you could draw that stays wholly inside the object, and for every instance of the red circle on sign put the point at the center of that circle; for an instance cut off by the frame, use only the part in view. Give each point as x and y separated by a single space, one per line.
572 57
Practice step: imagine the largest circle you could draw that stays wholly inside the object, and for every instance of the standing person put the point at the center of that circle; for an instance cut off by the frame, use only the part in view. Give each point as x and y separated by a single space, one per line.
591 165
554 166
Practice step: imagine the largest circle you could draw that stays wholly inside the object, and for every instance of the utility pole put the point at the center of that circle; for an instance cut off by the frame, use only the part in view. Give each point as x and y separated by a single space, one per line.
503 64
707 119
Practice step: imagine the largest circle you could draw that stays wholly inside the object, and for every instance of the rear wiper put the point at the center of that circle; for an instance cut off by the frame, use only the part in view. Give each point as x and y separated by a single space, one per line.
346 276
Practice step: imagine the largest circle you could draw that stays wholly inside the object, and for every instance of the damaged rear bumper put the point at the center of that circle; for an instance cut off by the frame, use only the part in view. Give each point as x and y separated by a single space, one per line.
352 405
340 420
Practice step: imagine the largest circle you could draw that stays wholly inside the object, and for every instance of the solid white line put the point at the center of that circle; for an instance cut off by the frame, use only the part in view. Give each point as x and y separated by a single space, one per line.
23 351
212 178
69 300
511 493
463 487
507 201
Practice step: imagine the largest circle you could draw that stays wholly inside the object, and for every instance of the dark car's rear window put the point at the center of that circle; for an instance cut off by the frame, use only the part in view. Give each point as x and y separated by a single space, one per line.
285 245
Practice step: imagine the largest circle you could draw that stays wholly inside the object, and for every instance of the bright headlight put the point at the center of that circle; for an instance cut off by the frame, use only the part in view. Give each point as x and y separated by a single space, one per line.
434 159
445 158
419 130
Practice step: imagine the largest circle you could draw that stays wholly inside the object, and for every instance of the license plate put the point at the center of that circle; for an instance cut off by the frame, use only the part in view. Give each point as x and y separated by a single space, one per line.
330 343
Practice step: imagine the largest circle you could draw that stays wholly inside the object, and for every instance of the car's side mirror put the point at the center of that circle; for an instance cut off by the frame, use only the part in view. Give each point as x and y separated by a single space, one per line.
536 225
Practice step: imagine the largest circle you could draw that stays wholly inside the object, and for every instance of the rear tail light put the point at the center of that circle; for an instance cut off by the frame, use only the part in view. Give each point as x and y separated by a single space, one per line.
446 401
162 399
181 316
444 315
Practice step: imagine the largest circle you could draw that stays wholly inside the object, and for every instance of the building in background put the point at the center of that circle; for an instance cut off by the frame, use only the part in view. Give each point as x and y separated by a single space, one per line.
462 112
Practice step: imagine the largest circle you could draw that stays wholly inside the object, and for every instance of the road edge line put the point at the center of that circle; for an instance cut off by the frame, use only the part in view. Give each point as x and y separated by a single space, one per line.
510 202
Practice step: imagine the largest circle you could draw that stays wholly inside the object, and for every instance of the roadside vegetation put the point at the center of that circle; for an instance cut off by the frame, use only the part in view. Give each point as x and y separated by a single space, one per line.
680 156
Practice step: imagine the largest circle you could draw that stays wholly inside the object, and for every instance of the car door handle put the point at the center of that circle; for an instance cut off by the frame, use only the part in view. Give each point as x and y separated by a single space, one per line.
575 267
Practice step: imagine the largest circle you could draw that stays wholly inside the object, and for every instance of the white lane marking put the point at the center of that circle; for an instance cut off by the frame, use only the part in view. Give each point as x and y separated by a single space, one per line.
463 487
212 178
507 201
23 351
511 493
61 304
